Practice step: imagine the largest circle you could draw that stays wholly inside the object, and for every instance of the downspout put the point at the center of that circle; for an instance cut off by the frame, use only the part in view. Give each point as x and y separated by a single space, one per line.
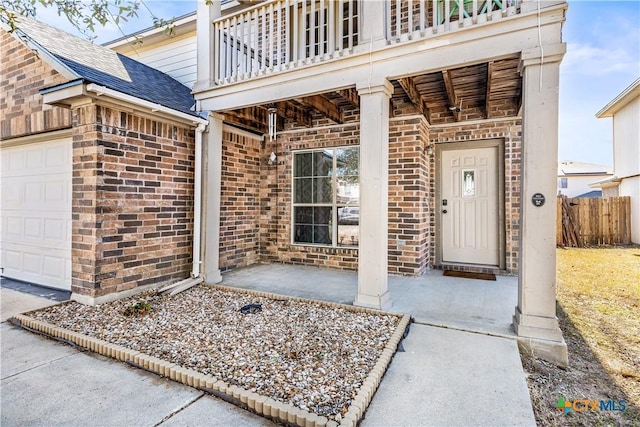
197 202
196 277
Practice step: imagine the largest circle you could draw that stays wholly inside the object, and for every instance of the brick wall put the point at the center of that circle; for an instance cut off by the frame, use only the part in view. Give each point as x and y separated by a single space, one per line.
409 183
257 203
132 213
23 74
240 201
275 195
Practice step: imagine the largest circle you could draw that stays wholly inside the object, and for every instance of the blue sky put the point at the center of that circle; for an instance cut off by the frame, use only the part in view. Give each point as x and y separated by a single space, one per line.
603 58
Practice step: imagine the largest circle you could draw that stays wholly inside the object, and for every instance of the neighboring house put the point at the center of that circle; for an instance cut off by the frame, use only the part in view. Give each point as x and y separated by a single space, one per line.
574 178
625 113
369 136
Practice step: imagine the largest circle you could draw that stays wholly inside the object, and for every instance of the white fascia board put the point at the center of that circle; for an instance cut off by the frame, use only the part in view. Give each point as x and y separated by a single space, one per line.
462 47
625 97
151 35
64 95
182 25
67 94
152 107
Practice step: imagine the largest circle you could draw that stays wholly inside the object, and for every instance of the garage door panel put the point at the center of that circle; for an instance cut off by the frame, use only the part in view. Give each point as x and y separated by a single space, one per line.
32 192
35 233
39 229
37 159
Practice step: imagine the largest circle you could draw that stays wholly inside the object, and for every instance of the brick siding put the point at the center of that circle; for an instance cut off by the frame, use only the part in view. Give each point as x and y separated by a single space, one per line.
22 75
257 197
409 182
240 201
258 229
132 213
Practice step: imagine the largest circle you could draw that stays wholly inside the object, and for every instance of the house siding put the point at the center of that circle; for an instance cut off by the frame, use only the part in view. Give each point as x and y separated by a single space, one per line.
276 193
240 201
132 213
23 75
256 212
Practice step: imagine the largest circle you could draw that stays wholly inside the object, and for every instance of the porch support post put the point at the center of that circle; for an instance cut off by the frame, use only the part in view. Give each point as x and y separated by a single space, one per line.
212 140
374 183
205 41
535 320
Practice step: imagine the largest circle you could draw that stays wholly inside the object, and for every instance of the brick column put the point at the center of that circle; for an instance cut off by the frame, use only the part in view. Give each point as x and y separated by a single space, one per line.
374 193
84 217
535 319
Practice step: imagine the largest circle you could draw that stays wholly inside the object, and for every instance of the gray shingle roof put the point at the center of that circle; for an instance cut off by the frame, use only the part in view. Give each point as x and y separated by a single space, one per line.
100 65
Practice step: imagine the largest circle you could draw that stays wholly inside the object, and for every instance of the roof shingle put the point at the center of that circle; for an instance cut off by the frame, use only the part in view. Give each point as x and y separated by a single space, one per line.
100 65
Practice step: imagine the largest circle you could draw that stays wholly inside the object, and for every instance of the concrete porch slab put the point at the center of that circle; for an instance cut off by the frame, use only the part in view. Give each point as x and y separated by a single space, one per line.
467 304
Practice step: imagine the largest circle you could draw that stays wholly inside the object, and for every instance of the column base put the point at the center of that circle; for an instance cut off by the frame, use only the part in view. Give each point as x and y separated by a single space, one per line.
551 351
214 276
379 302
542 337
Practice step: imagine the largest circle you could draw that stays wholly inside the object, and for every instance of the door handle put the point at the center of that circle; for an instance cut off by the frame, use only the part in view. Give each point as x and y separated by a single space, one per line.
444 211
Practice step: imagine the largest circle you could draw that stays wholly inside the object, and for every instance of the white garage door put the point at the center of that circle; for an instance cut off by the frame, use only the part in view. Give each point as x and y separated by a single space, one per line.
35 234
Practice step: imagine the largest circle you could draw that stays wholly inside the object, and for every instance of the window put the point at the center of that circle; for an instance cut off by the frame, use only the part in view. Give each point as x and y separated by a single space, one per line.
563 183
326 197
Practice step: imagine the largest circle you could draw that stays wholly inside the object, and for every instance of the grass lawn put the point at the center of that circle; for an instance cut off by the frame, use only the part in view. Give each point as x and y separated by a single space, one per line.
598 296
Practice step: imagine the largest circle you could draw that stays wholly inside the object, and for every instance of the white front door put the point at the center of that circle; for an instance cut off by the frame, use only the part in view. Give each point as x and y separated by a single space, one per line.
35 214
468 206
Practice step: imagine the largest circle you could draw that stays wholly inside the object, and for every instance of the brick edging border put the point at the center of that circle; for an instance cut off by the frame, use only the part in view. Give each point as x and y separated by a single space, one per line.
261 405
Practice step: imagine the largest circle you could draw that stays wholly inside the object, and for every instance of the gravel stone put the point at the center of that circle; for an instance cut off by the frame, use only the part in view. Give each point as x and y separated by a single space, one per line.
307 354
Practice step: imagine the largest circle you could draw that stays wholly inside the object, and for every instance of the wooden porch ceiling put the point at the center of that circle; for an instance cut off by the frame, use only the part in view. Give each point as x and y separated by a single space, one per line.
482 91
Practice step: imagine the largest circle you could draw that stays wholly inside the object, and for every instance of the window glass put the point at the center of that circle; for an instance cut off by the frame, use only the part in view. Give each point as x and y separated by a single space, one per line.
326 197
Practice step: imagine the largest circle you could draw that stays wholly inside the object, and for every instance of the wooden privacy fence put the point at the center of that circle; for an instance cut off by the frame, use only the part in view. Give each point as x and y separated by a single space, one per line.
593 221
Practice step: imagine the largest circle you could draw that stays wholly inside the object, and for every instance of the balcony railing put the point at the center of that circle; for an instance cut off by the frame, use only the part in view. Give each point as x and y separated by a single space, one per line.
282 34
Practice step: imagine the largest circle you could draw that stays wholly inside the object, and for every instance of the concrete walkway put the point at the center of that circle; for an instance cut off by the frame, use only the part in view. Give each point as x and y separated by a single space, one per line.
46 383
444 376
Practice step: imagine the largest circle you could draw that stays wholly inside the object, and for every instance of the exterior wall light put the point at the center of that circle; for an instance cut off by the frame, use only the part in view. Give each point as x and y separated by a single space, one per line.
430 151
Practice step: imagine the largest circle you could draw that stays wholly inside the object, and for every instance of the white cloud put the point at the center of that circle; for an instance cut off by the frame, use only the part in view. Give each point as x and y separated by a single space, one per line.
589 60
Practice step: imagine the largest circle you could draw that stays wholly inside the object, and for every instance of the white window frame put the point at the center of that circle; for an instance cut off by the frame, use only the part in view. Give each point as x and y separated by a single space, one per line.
334 196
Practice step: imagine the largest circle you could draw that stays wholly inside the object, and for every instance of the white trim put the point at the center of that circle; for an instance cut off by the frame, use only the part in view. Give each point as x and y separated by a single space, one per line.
475 122
625 97
242 132
102 90
36 138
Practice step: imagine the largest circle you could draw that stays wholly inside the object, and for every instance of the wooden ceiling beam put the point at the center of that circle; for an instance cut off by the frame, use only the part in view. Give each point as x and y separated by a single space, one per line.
451 94
487 104
256 118
294 112
241 119
409 86
350 95
324 106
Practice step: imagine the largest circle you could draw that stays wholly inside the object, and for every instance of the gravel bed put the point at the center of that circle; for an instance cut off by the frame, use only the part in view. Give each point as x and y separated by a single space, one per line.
303 353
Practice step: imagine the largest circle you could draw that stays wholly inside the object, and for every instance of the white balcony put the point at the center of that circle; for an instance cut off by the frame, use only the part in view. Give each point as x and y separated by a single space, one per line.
279 35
